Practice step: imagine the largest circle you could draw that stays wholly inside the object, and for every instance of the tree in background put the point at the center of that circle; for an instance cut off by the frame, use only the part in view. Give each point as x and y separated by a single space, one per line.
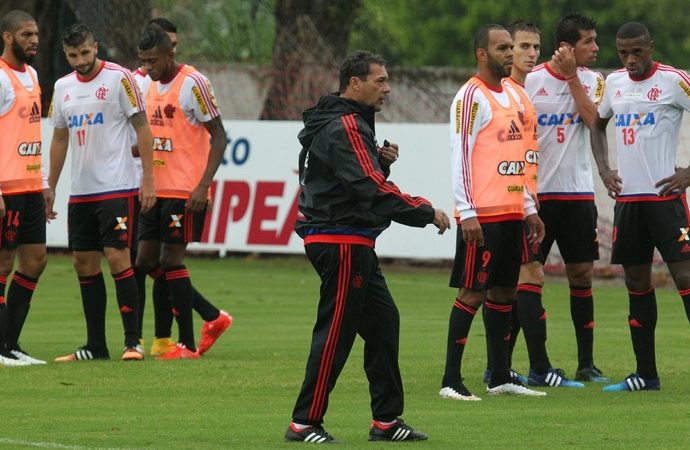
440 32
115 23
312 38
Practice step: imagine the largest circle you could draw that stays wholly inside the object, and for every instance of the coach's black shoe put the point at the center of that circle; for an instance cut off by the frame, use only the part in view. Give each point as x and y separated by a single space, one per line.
311 435
397 431
591 373
84 354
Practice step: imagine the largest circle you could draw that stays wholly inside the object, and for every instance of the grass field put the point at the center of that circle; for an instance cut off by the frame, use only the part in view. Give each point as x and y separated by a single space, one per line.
241 393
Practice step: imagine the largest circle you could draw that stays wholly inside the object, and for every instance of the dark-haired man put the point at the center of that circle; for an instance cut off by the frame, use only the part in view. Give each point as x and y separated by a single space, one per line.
528 312
491 203
346 202
565 95
646 99
162 310
92 110
22 206
183 115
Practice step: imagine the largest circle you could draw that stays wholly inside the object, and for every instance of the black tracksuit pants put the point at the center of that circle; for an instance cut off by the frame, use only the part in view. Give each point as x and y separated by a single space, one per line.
354 300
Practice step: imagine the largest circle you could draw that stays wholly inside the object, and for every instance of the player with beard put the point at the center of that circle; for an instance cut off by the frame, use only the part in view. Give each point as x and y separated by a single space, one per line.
488 160
22 206
92 110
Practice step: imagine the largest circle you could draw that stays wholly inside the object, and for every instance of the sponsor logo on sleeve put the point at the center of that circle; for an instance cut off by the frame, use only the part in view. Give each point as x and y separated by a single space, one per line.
129 91
458 117
599 91
473 116
200 100
684 87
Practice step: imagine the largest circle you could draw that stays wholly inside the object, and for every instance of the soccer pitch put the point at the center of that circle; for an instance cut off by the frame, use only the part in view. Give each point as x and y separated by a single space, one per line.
241 393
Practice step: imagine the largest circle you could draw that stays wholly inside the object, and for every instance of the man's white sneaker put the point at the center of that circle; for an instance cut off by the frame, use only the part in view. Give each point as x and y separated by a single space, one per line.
513 389
12 362
458 394
21 355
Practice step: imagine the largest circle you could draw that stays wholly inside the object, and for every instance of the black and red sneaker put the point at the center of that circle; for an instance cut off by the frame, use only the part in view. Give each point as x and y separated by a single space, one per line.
397 431
311 435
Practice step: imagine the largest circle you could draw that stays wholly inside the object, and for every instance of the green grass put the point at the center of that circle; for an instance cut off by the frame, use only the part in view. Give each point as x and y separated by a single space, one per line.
241 393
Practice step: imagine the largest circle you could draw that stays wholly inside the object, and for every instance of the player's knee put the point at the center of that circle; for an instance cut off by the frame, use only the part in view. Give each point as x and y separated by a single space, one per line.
532 273
580 274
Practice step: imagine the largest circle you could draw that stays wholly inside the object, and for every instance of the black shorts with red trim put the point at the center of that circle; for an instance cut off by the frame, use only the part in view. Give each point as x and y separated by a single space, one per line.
496 264
170 221
24 221
106 222
640 226
572 224
530 252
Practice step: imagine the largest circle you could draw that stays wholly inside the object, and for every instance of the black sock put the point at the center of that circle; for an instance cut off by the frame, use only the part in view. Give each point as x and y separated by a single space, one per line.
458 328
162 307
533 318
140 277
203 307
128 302
486 339
685 295
4 322
582 313
497 319
93 300
642 322
515 326
180 288
18 303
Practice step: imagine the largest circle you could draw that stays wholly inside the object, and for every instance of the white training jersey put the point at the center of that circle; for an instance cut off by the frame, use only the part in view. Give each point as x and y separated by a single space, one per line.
647 115
565 168
196 108
96 113
7 95
470 112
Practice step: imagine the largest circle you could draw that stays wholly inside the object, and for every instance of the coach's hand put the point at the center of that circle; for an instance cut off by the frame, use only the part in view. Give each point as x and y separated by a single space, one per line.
197 199
147 195
612 182
537 231
675 184
441 220
472 231
388 154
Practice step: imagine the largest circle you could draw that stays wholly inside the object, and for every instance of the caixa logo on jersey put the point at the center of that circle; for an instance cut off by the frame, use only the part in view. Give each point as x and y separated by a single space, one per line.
532 156
635 119
511 167
29 148
551 120
82 120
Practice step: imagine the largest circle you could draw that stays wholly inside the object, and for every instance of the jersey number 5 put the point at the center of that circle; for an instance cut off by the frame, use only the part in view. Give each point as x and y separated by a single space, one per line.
560 135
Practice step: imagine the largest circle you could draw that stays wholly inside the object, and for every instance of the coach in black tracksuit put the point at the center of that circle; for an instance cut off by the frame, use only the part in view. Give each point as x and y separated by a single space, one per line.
346 203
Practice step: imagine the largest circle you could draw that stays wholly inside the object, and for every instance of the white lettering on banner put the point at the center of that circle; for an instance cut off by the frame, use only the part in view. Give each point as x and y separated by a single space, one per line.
255 191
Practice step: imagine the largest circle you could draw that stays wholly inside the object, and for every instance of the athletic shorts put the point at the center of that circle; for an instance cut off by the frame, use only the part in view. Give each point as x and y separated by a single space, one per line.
572 224
169 221
101 223
638 227
530 252
496 264
24 221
